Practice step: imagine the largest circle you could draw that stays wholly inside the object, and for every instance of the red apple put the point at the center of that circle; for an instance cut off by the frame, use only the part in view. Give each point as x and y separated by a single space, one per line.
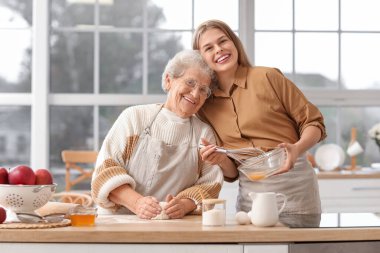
3 215
22 174
43 176
3 176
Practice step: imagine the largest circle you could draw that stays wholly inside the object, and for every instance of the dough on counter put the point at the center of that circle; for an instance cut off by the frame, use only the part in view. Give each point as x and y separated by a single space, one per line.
162 215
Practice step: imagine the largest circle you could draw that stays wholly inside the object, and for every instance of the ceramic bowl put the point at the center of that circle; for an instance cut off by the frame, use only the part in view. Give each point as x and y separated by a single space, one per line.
25 198
329 156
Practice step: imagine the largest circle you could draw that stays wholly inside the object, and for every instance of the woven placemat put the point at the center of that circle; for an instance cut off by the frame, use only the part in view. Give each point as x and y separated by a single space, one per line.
63 223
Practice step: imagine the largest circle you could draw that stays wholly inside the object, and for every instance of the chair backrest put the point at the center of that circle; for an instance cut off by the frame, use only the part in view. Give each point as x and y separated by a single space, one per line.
72 158
74 197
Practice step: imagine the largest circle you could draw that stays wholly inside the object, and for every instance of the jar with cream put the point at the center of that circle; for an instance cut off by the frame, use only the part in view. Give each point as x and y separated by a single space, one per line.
213 212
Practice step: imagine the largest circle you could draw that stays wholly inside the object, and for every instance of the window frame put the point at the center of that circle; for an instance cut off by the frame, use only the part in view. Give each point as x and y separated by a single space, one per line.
40 99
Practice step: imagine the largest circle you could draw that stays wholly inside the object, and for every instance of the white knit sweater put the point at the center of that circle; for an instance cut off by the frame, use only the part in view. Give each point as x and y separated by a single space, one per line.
111 166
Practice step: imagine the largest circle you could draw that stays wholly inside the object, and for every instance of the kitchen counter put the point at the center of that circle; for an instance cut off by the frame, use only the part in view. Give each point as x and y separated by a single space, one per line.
365 173
130 229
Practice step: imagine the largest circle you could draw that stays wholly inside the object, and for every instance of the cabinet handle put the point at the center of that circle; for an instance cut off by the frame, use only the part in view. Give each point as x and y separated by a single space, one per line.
366 188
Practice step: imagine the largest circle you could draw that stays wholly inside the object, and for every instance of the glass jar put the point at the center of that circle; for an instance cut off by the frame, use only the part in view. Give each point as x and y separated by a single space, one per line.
82 216
213 212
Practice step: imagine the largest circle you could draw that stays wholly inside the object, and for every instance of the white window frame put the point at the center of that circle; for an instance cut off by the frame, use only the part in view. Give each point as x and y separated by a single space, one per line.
40 99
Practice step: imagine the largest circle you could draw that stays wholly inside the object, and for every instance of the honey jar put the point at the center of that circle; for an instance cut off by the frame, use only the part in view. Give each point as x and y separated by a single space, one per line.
83 216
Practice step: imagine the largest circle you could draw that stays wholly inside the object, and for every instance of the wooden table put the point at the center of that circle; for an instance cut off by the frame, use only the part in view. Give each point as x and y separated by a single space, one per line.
130 229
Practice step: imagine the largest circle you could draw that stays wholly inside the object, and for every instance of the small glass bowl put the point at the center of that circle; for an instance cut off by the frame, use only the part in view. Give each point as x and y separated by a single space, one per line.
82 216
265 165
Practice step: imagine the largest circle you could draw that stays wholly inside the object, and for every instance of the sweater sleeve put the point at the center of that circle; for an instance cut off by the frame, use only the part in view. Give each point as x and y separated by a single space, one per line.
210 179
110 170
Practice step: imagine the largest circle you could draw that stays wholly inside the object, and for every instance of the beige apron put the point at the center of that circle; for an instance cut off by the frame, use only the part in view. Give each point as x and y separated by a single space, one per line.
159 168
300 186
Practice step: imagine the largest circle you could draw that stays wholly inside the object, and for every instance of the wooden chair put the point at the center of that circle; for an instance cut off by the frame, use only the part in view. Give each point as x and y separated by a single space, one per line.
72 158
83 199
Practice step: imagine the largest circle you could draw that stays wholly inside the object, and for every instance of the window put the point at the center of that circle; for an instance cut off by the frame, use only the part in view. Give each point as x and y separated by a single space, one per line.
92 59
15 79
108 55
332 57
3 144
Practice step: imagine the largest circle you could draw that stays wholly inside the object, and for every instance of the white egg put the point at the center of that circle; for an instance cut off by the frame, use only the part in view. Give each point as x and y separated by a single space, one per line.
242 218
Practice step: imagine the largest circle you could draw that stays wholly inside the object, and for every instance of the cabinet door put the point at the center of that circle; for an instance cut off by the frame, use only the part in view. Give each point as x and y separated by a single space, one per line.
350 195
117 248
266 248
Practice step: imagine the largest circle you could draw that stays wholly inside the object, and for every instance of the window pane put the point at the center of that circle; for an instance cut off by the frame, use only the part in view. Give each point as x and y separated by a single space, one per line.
68 13
361 15
16 14
120 69
170 14
316 14
316 60
273 14
217 9
121 13
15 60
274 50
360 61
362 118
71 127
107 117
162 47
15 129
71 62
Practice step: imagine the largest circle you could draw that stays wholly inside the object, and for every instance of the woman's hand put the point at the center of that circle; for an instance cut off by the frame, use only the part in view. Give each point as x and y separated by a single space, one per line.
178 208
147 207
292 154
209 155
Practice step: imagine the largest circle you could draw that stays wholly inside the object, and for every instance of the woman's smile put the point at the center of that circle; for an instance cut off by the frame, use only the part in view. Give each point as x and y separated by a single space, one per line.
223 58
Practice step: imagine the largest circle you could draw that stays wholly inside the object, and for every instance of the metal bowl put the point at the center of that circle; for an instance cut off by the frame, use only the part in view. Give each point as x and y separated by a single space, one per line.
25 198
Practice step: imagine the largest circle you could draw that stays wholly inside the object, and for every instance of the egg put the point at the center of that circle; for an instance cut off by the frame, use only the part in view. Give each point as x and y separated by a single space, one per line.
242 218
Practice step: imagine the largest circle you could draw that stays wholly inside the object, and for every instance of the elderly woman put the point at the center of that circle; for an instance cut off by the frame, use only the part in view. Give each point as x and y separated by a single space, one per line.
151 152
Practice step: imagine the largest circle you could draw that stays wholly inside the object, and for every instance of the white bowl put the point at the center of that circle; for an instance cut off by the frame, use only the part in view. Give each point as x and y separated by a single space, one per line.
25 198
329 157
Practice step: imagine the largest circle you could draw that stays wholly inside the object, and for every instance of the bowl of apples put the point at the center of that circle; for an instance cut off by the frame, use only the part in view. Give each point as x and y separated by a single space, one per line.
23 190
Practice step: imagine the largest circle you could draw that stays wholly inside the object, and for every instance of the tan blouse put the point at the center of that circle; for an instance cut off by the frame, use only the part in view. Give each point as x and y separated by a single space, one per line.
263 109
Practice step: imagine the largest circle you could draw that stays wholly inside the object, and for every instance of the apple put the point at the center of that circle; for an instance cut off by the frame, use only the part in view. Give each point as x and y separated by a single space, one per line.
3 215
22 174
43 176
3 176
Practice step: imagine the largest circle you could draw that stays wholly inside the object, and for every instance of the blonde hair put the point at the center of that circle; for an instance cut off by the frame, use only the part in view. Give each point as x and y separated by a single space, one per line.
217 24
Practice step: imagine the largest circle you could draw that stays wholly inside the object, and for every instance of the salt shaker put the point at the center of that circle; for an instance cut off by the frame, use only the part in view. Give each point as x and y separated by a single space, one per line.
213 212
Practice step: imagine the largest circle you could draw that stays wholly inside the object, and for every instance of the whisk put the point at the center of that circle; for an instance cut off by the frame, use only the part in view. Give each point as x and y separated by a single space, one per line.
241 154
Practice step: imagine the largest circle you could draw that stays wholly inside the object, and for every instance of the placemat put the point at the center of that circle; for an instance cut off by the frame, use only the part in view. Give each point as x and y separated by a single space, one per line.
63 223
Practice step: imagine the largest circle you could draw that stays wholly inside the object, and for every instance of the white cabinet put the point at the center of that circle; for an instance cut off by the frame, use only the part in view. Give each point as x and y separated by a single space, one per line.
116 248
266 248
229 192
350 195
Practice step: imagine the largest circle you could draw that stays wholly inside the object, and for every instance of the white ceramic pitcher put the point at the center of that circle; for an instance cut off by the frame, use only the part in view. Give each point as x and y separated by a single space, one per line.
264 211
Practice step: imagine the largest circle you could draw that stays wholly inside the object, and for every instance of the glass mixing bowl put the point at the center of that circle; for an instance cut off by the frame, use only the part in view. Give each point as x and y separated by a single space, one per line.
265 165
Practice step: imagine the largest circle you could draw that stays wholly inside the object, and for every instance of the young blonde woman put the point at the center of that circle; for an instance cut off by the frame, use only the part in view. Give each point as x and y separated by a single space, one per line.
258 107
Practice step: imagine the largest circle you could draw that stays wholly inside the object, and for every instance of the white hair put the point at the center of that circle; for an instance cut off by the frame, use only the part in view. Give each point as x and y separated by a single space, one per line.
183 60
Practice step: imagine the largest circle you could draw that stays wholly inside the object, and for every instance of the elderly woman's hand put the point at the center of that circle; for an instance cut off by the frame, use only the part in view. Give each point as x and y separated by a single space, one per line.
209 155
147 207
178 208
